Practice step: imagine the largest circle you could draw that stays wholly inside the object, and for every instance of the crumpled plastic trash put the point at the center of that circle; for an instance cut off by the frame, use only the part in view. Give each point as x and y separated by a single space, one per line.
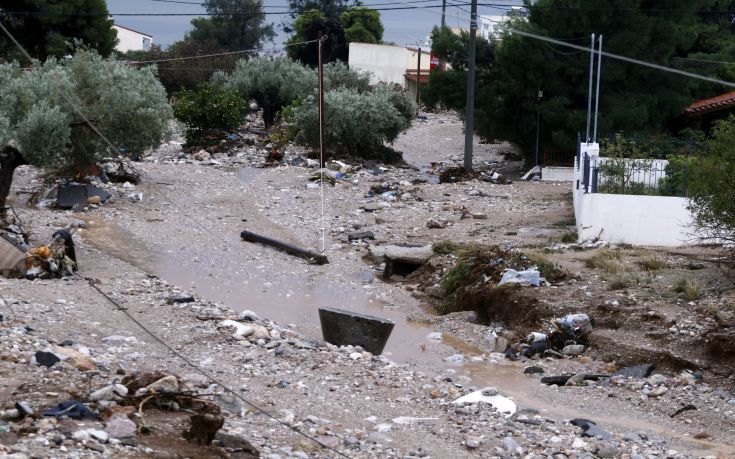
575 324
528 277
504 405
71 408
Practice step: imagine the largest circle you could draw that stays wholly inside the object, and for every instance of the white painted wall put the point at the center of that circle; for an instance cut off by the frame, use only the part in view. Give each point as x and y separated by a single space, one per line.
130 40
412 59
557 174
632 219
386 63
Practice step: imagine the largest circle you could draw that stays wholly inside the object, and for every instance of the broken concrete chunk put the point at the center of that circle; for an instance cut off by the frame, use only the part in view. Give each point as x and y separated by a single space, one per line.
408 254
573 350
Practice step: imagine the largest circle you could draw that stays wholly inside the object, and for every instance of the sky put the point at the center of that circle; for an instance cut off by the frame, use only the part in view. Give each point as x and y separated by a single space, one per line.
403 27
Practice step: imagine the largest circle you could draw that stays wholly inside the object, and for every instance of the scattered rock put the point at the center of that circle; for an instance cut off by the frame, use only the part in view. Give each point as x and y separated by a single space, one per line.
120 426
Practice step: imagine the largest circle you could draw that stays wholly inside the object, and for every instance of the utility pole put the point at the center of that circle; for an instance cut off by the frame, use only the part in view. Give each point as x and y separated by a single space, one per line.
538 120
321 100
469 126
597 91
589 92
444 10
418 79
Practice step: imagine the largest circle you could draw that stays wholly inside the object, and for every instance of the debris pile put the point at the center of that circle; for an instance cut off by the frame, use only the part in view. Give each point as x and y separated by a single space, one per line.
19 259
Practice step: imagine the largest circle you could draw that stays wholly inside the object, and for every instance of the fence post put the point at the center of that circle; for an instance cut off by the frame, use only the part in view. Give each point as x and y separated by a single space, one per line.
594 178
586 173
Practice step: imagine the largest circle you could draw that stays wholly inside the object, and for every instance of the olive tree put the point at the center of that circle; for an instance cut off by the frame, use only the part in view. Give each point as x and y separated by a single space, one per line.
41 108
277 83
357 123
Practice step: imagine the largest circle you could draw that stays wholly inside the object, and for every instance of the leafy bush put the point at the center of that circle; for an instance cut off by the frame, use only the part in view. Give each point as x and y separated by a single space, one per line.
272 83
710 187
129 106
338 75
176 74
675 181
356 123
208 108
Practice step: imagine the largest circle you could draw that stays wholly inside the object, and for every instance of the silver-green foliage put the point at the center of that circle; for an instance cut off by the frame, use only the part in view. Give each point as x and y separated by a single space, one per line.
127 105
272 83
337 74
358 123
277 83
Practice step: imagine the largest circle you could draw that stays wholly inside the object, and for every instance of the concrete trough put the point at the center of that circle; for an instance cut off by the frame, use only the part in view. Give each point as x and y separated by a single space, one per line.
342 328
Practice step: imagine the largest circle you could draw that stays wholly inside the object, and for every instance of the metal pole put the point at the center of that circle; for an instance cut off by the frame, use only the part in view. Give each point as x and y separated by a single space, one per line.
444 10
538 129
469 126
597 93
589 91
321 100
418 79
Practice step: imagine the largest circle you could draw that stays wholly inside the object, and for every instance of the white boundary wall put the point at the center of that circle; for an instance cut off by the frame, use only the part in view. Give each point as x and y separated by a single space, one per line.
557 174
387 64
631 219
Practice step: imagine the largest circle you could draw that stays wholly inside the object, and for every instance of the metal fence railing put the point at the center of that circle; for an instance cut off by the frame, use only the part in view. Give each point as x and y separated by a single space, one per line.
636 177
559 158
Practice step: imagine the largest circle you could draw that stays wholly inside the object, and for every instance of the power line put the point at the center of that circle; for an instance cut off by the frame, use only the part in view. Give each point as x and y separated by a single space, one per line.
624 58
281 6
266 13
703 60
622 10
228 53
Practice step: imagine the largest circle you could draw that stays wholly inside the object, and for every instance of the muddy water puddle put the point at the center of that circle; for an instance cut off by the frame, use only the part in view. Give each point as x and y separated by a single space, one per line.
288 298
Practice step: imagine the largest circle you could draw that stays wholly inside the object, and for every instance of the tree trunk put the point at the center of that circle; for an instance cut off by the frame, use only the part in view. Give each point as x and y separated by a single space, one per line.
10 158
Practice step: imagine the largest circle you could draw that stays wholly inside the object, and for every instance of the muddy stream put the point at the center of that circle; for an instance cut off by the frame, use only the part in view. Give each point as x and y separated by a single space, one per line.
298 304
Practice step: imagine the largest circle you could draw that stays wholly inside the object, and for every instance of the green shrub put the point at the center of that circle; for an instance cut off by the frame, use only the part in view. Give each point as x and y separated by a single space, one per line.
338 75
456 276
127 105
272 83
674 183
356 123
208 108
548 269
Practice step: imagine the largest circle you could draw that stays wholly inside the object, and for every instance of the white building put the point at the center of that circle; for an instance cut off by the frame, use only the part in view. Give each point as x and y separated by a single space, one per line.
132 40
491 27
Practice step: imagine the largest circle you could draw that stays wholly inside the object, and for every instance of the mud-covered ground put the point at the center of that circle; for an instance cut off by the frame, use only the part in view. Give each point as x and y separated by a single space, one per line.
179 231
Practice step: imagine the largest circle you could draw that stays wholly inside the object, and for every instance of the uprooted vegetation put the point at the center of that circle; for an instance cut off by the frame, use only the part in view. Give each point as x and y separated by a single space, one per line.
472 283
